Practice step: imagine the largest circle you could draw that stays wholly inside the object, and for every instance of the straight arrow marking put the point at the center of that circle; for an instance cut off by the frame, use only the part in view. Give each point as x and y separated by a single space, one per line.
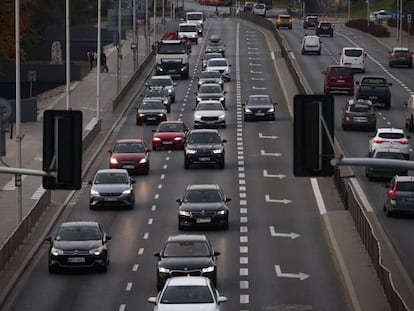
283 235
266 174
269 137
284 201
263 153
257 79
300 275
258 72
259 88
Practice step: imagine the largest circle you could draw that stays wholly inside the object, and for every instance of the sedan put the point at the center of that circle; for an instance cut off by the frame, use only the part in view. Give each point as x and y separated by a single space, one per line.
209 113
259 107
169 134
186 254
203 205
215 45
211 91
325 28
360 114
210 77
151 111
130 154
390 138
112 188
401 57
158 93
80 244
209 56
221 65
399 197
195 293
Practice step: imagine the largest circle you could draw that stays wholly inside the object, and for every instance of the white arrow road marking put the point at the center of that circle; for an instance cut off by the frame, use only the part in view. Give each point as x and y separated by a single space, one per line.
263 153
300 275
283 235
284 201
266 174
253 53
254 58
259 88
267 137
253 64
256 79
250 48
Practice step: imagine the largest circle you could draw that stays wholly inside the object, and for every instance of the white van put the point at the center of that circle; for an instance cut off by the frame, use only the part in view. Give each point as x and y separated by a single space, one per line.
311 44
188 30
196 18
354 57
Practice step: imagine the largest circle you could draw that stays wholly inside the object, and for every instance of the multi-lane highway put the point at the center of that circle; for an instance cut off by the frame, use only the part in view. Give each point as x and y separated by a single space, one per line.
275 254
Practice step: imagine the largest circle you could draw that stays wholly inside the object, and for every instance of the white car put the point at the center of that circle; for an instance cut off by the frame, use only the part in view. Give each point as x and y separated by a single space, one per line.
219 64
379 16
259 9
209 113
311 44
188 293
390 138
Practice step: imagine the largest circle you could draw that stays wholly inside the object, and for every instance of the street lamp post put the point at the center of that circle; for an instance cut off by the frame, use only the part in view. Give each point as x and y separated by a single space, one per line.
367 14
118 89
98 67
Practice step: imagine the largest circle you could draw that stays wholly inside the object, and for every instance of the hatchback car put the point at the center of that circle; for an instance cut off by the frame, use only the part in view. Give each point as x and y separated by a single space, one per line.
186 254
160 93
163 81
399 197
112 188
203 205
79 244
259 9
170 135
130 154
259 107
359 114
195 293
401 57
151 111
211 91
209 56
284 20
221 65
339 78
204 147
372 171
215 45
209 113
248 6
390 138
310 21
210 77
324 28
311 45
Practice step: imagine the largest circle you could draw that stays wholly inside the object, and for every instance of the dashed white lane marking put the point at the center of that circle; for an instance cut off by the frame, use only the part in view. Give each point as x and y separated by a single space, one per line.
129 286
146 236
244 284
122 307
150 221
318 196
141 251
154 208
135 267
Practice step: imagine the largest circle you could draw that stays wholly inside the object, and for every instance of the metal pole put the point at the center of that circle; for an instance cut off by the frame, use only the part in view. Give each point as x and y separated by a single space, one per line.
118 74
401 38
154 21
134 31
18 177
98 71
147 36
163 16
398 21
367 14
68 107
349 10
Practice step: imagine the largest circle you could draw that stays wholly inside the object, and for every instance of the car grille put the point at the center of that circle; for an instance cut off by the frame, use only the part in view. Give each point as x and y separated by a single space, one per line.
209 118
204 152
110 194
204 214
185 273
75 253
126 162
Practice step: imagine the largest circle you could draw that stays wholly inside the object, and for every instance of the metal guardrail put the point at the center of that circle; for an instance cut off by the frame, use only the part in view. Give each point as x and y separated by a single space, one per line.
346 191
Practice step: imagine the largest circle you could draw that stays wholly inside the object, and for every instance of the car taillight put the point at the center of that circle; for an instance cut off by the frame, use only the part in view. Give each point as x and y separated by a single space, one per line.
404 142
393 192
393 56
408 56
379 141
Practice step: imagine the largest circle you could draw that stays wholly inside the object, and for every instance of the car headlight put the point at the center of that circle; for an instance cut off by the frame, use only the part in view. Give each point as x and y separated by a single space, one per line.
141 114
156 139
178 138
247 110
222 212
271 110
208 269
161 114
143 160
222 116
126 191
219 150
190 151
163 270
165 102
197 117
94 192
184 213
113 161
97 251
169 91
198 99
56 251
222 99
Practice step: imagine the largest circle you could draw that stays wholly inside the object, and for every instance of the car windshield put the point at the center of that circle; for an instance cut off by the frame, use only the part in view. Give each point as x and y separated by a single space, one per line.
186 294
170 127
353 53
215 43
155 92
178 48
217 63
129 148
111 178
188 28
202 196
405 186
194 16
210 88
210 74
374 81
341 71
161 82
258 101
401 53
186 249
204 138
391 135
360 108
151 105
78 233
209 106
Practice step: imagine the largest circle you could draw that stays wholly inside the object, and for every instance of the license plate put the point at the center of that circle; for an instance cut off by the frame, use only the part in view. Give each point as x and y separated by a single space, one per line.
203 220
167 142
204 159
76 259
127 166
340 81
373 97
171 70
260 114
410 199
151 118
111 199
360 119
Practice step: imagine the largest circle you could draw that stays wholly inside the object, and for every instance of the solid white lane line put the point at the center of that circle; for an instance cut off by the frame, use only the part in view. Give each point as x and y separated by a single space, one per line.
318 196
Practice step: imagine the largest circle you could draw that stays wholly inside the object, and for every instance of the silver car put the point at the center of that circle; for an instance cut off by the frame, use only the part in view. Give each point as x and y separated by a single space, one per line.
390 138
163 81
210 77
112 188
211 91
221 65
209 113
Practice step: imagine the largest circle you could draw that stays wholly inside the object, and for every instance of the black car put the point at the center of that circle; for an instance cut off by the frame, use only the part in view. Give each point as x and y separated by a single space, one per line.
401 57
80 244
211 91
204 146
215 45
160 93
212 76
151 111
360 114
203 205
259 107
186 254
324 28
310 21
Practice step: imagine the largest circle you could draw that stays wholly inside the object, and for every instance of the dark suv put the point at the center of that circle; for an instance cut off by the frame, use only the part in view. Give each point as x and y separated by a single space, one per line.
204 146
399 197
310 21
186 254
338 78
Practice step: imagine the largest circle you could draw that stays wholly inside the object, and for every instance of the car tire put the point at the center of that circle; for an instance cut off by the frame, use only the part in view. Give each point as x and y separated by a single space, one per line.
52 269
319 52
388 105
139 122
388 212
168 109
222 164
104 268
226 225
186 163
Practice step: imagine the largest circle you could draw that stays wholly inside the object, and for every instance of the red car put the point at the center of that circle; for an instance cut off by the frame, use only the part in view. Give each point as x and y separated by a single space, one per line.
338 78
130 154
169 134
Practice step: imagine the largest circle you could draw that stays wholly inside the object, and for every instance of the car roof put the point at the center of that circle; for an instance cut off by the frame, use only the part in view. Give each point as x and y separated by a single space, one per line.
258 95
404 178
203 186
129 141
218 58
161 77
172 122
285 16
187 237
209 101
80 223
352 48
204 131
389 130
187 24
400 49
112 170
194 12
360 101
205 85
188 280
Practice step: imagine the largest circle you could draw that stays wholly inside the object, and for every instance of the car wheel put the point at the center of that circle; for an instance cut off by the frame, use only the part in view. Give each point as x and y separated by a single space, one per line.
388 105
226 225
186 164
319 52
52 269
104 267
222 164
388 212
139 122
169 109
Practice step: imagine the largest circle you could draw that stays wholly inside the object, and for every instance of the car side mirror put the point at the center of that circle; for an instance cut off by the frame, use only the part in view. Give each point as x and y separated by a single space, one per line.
228 199
107 238
152 300
178 200
224 108
275 104
157 254
216 253
389 83
148 150
193 109
49 239
324 72
132 180
90 182
110 151
224 140
225 92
